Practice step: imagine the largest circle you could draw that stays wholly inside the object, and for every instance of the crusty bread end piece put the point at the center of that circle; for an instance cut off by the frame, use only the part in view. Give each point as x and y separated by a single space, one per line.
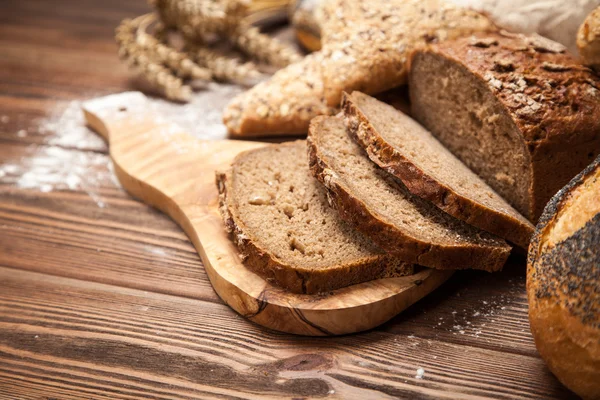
518 110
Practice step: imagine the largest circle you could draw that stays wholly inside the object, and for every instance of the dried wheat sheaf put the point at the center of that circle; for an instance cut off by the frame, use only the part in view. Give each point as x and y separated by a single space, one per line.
186 42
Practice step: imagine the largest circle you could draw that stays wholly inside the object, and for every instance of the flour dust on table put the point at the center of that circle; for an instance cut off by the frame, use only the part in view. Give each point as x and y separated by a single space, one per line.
65 162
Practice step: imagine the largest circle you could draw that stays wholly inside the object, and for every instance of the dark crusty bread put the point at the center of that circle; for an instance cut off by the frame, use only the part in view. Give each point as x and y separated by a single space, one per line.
402 147
517 110
286 231
379 205
563 284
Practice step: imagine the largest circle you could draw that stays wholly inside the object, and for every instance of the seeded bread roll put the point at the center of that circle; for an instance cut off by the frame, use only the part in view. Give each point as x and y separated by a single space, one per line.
285 230
364 48
563 284
405 149
588 40
519 111
377 204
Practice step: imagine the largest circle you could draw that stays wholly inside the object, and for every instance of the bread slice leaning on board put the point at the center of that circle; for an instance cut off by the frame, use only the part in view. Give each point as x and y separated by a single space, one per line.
285 230
563 284
377 204
518 110
402 147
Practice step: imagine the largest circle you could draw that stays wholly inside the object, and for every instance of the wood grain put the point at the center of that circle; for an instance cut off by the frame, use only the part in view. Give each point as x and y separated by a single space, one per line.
80 293
70 337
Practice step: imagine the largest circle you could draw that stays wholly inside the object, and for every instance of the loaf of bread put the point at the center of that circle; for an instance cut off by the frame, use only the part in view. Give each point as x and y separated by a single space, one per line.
378 204
588 40
286 231
405 149
364 48
563 284
516 109
555 19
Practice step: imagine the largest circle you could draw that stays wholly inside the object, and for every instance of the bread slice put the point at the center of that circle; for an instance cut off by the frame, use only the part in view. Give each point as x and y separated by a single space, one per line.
518 110
563 284
287 232
402 147
379 205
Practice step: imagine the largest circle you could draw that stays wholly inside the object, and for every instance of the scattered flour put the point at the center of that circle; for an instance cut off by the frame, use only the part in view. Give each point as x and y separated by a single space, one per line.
60 164
420 373
49 168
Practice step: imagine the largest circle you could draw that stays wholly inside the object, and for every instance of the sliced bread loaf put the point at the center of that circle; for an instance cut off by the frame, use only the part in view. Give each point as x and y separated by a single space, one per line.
379 205
518 110
287 232
402 147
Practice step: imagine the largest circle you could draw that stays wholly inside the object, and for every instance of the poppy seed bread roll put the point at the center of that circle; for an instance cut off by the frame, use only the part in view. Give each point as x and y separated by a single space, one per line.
563 284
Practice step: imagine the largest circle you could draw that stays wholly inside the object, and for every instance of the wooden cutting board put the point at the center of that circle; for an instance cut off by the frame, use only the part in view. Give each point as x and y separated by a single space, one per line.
173 171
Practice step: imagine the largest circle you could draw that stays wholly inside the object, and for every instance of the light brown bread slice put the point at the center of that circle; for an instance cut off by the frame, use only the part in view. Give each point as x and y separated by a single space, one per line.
402 147
286 231
518 110
379 205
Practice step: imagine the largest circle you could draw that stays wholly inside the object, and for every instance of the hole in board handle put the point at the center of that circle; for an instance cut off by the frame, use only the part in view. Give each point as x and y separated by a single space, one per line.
122 109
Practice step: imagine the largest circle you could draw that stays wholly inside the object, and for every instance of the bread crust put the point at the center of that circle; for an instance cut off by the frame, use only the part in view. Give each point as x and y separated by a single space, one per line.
561 285
293 278
389 237
588 40
552 100
426 186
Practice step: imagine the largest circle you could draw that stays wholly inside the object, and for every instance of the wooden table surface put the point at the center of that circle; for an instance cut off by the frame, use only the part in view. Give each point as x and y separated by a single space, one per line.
103 297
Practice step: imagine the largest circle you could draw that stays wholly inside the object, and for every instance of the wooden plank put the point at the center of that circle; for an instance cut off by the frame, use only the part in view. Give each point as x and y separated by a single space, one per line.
66 232
57 51
70 337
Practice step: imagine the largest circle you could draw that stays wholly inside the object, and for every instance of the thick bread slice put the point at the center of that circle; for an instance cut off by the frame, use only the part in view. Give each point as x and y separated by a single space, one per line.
517 110
379 205
563 284
402 147
286 231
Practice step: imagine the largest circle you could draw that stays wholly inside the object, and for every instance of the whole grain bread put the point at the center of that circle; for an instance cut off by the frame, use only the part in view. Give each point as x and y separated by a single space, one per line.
282 105
516 109
563 284
378 204
402 147
588 40
285 230
364 47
